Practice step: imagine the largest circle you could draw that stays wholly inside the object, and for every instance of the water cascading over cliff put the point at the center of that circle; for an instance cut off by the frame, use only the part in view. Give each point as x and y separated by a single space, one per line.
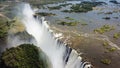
59 55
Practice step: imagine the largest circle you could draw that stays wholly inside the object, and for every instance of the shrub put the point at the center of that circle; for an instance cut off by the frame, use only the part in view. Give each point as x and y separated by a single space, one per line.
105 44
106 61
104 28
116 35
69 18
112 49
45 14
54 8
68 23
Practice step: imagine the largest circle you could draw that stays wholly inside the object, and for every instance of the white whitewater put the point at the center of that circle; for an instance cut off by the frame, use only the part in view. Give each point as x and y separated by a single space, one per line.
60 55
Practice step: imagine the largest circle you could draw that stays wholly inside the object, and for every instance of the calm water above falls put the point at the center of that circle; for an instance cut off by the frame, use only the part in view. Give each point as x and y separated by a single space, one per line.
92 18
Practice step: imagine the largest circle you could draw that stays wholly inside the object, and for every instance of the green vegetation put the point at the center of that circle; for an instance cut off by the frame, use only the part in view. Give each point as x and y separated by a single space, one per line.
68 23
45 14
105 44
106 61
40 7
4 26
116 35
84 24
69 11
3 31
64 5
112 49
104 28
24 56
54 8
12 26
69 18
109 49
83 7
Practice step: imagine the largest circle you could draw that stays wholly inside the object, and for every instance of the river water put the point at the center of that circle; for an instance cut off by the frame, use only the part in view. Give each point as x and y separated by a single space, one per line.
92 18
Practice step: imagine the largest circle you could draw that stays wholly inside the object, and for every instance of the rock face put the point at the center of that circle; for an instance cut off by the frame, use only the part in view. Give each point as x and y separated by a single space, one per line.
24 56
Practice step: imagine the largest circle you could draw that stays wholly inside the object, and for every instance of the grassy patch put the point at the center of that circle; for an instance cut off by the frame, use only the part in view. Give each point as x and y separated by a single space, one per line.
106 61
69 18
105 44
112 49
54 8
116 35
64 5
108 48
69 11
45 14
104 28
68 23
84 24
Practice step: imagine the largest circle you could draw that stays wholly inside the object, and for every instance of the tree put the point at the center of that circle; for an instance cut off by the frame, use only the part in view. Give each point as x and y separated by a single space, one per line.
24 56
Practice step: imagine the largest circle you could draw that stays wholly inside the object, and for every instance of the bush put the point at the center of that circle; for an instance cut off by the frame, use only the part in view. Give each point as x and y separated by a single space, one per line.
105 44
64 5
84 24
68 23
106 61
69 18
54 8
45 14
112 49
104 28
116 35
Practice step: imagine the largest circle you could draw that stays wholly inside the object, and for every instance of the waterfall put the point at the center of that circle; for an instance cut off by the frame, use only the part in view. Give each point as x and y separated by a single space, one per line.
59 54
